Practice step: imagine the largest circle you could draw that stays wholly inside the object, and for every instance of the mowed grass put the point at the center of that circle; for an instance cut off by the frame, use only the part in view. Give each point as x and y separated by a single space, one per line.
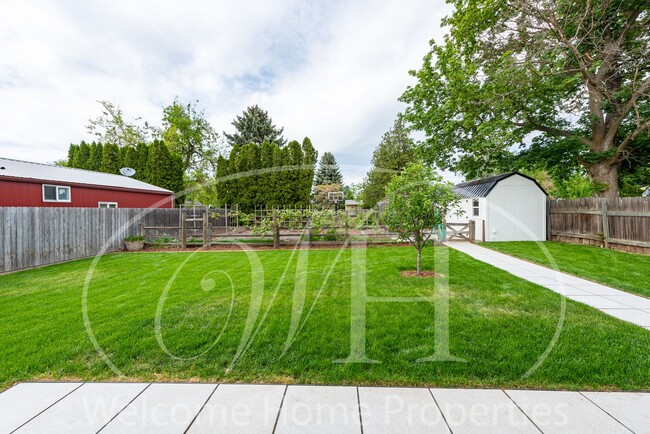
499 324
626 271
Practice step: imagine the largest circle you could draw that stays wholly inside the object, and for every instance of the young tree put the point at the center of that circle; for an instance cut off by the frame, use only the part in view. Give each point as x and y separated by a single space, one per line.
393 153
111 127
573 69
188 133
255 126
328 171
418 201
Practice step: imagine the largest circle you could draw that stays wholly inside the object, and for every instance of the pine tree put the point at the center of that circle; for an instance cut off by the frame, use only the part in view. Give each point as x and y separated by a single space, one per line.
96 155
164 168
72 150
310 158
140 161
255 126
395 151
81 156
328 171
111 159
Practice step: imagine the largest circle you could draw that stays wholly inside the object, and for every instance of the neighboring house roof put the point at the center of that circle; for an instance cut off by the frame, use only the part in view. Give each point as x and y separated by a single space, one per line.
64 175
483 187
351 202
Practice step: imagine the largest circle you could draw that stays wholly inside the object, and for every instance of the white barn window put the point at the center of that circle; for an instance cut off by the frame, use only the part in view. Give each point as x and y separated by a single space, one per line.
475 208
107 204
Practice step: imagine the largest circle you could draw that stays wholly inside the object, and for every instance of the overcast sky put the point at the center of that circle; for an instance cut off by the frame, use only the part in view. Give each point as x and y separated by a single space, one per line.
330 70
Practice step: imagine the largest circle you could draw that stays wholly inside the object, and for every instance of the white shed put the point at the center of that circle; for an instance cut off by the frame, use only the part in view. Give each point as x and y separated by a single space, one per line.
507 207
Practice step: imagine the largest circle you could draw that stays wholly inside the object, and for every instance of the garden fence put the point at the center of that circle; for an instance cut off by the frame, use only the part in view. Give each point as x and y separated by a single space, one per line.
616 223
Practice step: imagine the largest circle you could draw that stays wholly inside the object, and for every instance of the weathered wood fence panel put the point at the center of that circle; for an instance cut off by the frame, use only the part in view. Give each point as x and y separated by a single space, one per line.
30 237
617 223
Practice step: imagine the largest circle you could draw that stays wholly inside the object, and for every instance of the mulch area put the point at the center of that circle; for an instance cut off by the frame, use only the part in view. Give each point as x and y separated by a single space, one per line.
423 274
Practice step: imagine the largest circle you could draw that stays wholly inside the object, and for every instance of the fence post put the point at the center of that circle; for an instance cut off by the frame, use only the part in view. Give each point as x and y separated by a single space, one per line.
605 223
548 220
206 230
183 231
472 231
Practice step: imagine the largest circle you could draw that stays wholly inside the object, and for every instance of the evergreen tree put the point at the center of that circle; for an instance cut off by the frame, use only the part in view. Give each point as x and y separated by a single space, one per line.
140 161
255 126
81 156
96 155
395 151
164 168
71 153
111 159
307 174
328 171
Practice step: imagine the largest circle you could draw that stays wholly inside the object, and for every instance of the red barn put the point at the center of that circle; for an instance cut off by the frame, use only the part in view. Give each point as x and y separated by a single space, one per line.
23 183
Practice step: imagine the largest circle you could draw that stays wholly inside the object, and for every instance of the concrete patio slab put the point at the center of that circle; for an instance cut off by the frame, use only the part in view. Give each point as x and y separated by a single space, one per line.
630 409
23 402
318 409
162 408
86 409
481 410
565 412
240 408
395 410
196 408
619 304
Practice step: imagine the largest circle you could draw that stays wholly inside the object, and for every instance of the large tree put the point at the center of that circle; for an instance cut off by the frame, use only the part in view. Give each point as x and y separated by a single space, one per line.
255 125
188 133
393 153
560 68
328 171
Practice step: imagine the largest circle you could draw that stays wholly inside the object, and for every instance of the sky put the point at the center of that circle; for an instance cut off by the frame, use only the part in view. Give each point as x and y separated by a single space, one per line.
330 70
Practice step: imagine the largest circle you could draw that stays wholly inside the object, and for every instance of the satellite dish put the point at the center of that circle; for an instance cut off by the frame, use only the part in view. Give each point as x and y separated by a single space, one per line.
127 171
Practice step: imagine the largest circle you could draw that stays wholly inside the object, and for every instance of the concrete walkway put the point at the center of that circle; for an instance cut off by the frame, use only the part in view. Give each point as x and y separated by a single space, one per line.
619 304
231 408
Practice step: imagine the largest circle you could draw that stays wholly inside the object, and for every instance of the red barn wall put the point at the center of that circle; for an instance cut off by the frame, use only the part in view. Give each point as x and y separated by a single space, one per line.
20 193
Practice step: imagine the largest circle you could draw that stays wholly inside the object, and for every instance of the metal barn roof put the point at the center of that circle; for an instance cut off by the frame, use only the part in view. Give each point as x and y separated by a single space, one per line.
483 187
58 174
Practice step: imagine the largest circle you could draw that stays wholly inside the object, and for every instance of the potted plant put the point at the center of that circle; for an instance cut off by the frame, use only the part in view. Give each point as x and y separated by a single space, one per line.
134 243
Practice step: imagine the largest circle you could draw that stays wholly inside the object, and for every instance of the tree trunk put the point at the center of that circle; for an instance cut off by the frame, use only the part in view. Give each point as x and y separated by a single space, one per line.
419 259
605 175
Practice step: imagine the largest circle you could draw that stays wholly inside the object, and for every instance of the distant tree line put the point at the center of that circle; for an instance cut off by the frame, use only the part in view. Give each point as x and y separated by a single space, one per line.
252 167
267 174
153 162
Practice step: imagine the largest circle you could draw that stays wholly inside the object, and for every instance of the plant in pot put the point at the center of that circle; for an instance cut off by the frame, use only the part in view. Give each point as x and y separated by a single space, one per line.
134 243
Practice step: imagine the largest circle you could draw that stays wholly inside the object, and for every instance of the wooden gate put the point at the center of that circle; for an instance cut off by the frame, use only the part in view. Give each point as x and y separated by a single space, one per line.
460 231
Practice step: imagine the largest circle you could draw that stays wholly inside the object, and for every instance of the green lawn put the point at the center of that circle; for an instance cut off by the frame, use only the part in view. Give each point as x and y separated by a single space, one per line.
626 271
498 323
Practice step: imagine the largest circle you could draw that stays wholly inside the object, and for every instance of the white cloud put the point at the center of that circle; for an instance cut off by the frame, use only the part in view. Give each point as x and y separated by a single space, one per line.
330 70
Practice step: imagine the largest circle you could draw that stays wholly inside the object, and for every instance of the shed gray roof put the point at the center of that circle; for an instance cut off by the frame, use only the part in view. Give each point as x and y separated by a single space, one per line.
58 174
483 187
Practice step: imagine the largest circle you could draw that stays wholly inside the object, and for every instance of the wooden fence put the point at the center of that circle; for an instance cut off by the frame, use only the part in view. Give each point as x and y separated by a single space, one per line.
30 237
617 223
